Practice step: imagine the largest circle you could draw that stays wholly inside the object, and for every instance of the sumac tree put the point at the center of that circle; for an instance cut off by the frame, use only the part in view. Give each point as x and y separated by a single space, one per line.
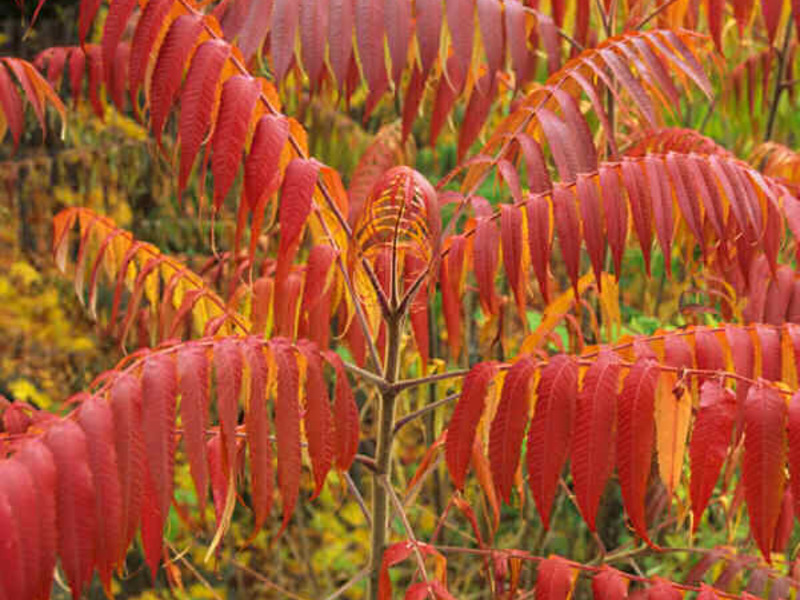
327 308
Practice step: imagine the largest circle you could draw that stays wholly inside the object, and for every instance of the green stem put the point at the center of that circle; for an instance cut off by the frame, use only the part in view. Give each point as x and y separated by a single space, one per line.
383 452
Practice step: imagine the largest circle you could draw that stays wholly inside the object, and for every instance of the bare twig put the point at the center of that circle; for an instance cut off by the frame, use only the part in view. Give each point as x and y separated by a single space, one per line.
423 411
256 575
654 13
359 498
398 507
779 87
356 579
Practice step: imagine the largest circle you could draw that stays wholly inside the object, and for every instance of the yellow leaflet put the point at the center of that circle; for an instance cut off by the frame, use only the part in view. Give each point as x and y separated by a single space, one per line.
609 307
788 367
553 315
672 426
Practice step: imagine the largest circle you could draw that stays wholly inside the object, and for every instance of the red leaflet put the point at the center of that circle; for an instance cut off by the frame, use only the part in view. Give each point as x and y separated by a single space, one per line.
253 30
490 19
550 432
228 366
287 427
635 439
709 352
480 102
95 79
86 16
317 418
75 515
370 25
262 166
446 93
711 437
11 103
38 461
628 81
197 102
239 97
219 480
296 194
257 426
126 399
485 258
464 422
411 102
96 419
535 164
582 142
313 31
715 12
429 26
168 72
663 590
150 23
539 232
609 584
345 416
793 429
461 22
771 11
398 35
17 488
762 466
779 295
769 338
159 389
511 236
117 18
662 206
77 66
340 38
592 220
592 441
29 87
554 579
12 576
283 29
687 202
641 209
119 76
193 386
569 231
522 60
508 426
561 143
320 261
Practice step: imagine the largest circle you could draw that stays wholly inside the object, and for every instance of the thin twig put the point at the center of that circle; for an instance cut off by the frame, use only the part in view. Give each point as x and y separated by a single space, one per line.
654 13
423 411
373 378
359 499
398 507
356 579
265 581
776 94
404 384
